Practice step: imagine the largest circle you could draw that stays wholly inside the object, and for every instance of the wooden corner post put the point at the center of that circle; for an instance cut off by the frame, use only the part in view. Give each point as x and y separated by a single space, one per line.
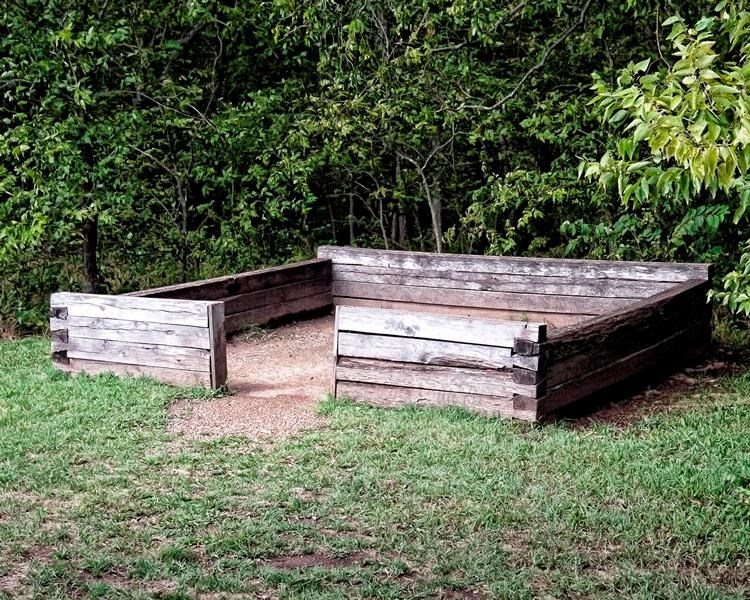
218 339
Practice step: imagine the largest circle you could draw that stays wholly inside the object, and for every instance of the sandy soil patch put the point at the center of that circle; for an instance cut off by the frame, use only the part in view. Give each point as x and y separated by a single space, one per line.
276 376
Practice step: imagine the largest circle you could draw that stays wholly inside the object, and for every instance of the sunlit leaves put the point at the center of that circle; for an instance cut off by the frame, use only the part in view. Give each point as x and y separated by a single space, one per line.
684 129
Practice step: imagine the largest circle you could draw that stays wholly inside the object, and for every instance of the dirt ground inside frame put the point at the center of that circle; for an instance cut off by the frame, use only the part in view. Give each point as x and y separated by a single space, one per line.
277 376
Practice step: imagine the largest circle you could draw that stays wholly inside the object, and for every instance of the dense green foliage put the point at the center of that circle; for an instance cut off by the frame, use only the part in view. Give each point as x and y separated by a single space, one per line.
144 143
98 501
685 152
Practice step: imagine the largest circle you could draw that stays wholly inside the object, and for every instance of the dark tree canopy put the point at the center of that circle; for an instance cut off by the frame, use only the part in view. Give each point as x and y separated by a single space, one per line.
145 143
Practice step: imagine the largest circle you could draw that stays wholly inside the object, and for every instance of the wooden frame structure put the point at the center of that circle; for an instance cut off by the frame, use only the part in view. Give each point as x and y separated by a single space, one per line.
508 336
177 334
515 337
177 341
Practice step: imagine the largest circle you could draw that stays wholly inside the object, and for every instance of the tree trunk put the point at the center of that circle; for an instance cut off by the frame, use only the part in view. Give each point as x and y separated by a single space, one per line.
90 247
433 202
351 219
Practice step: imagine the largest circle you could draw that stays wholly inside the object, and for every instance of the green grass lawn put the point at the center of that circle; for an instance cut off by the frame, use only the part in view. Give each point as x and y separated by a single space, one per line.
97 500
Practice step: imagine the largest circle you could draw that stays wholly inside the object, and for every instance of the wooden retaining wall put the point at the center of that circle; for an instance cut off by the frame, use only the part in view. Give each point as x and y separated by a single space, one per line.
391 357
558 292
176 341
260 297
598 324
653 335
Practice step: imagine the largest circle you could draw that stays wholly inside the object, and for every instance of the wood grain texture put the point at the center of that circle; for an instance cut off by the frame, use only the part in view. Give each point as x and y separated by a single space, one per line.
571 340
179 377
242 283
396 396
218 338
484 332
175 341
147 310
583 269
623 342
134 331
133 353
450 379
267 314
540 303
427 352
501 282
550 319
669 352
276 295
335 353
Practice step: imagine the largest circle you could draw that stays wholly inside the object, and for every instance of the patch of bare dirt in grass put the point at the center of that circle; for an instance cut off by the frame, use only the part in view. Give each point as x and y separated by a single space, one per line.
462 594
319 559
679 392
276 378
12 582
154 588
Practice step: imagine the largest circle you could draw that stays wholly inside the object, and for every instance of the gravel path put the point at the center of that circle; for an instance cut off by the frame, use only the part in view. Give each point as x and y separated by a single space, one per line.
276 377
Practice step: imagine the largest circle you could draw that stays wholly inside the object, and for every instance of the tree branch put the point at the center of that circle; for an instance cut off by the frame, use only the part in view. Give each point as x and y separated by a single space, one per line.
542 61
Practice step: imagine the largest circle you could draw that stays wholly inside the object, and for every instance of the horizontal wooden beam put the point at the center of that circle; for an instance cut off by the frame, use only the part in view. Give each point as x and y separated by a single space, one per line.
622 342
427 352
219 288
549 319
584 269
398 396
544 303
485 332
501 282
173 376
276 295
147 310
132 353
274 312
569 340
450 379
663 355
133 331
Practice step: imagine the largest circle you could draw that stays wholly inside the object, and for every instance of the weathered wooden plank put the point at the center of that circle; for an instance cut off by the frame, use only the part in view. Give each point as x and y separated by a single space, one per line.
335 353
623 342
651 271
395 396
578 337
266 314
449 379
666 353
121 330
179 377
218 345
59 335
427 352
150 310
528 376
571 340
496 300
438 327
153 355
549 319
492 282
219 288
276 295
